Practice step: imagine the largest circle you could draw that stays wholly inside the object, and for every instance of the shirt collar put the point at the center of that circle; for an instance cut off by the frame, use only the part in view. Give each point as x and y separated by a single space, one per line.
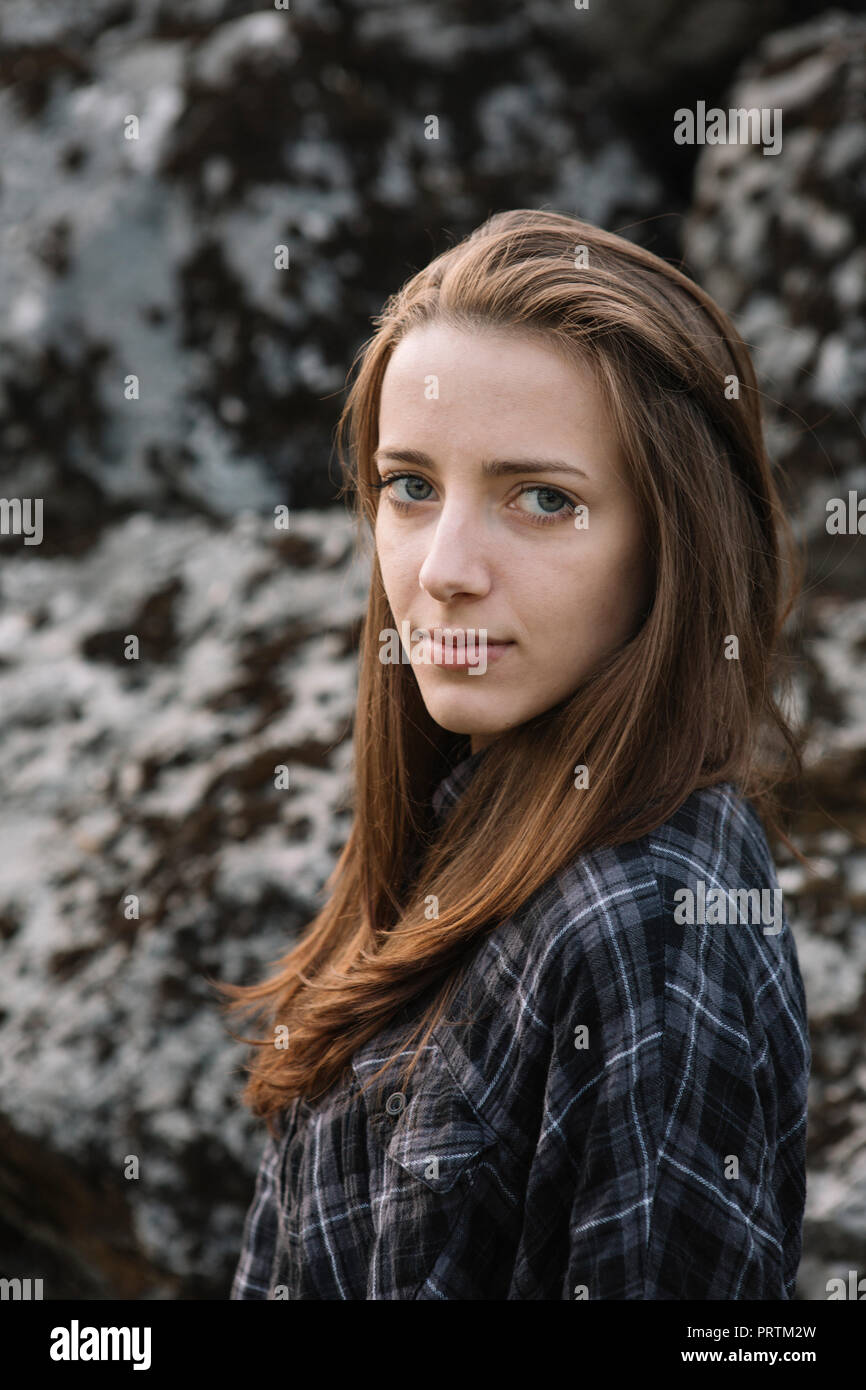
455 782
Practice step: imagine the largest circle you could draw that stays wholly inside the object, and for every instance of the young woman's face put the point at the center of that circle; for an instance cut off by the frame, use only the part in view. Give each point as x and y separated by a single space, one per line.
466 547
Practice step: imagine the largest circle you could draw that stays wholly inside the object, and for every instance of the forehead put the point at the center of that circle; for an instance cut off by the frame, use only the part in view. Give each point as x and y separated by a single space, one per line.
505 380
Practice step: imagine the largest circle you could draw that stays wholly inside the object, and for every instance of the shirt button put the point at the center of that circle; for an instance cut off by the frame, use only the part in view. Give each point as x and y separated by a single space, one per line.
394 1104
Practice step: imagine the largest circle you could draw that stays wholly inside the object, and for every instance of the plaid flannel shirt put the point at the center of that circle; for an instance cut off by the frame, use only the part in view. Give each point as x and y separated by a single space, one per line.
624 1117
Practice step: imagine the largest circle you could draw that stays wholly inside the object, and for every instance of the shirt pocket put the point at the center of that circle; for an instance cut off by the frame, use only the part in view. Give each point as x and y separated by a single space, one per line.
426 1143
432 1132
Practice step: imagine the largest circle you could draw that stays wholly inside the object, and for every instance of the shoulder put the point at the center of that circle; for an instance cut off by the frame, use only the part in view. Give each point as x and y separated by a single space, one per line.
694 906
663 1012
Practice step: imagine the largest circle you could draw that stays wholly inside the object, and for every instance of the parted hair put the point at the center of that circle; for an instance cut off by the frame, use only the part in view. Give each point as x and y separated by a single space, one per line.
665 714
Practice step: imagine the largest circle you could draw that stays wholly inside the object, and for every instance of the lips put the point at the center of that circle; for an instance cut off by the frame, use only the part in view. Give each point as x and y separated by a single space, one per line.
456 634
462 649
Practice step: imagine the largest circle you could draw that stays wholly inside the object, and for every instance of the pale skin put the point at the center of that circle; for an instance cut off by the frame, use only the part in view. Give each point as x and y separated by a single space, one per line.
468 552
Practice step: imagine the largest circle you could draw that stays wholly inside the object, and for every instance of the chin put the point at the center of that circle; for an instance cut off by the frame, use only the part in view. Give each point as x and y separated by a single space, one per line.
453 716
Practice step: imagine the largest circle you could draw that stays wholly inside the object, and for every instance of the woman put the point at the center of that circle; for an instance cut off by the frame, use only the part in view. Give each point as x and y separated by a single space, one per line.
548 1037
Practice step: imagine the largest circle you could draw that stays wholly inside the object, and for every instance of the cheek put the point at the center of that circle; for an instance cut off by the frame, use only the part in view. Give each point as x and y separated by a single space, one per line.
595 582
398 563
616 589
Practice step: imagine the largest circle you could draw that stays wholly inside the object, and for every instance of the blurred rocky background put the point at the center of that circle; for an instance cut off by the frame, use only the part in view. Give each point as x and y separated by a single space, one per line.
154 258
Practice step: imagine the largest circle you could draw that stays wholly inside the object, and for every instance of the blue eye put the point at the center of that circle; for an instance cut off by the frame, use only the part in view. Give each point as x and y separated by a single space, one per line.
401 504
554 505
411 479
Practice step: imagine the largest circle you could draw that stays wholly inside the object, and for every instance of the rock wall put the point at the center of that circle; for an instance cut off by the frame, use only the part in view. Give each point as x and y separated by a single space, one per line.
154 258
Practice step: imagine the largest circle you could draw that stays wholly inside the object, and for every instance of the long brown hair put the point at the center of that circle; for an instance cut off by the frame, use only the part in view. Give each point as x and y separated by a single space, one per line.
664 715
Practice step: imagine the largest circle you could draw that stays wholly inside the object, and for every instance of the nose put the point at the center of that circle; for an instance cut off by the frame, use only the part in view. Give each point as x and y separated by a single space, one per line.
455 562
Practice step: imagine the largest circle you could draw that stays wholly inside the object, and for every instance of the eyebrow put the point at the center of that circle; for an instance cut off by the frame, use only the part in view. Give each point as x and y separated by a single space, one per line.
491 468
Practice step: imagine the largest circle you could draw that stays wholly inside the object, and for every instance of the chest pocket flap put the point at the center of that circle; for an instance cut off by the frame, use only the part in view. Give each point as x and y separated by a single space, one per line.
431 1130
